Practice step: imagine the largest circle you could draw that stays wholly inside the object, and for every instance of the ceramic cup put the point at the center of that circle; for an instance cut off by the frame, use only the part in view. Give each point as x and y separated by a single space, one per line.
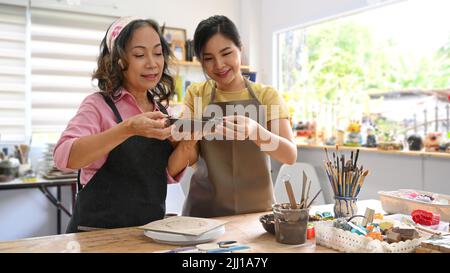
344 206
290 224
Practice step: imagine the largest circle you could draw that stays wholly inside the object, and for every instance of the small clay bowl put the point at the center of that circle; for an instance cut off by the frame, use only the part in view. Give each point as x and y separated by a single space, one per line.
268 223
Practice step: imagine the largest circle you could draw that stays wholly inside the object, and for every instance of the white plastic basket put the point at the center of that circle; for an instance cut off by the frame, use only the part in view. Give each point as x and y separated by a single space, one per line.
345 241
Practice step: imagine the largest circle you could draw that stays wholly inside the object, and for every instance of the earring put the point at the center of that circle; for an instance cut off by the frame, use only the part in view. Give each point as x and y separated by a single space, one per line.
120 64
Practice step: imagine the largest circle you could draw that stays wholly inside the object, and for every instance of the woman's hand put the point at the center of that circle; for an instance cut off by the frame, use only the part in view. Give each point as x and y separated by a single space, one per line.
149 124
238 128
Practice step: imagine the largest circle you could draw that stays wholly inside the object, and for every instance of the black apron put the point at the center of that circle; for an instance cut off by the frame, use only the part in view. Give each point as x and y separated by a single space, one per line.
129 189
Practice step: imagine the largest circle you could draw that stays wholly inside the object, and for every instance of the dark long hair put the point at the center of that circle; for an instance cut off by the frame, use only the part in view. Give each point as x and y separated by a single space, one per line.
109 73
211 26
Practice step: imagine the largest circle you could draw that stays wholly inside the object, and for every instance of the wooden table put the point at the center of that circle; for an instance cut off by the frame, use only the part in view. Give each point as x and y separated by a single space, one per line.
245 228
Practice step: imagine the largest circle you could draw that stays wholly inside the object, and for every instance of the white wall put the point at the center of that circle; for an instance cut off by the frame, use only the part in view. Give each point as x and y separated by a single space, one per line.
175 13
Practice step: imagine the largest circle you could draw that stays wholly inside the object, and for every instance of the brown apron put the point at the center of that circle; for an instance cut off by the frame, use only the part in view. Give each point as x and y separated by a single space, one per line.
231 176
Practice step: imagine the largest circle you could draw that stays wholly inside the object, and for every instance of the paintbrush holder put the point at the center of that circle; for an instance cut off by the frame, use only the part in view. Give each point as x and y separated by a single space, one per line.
290 224
344 206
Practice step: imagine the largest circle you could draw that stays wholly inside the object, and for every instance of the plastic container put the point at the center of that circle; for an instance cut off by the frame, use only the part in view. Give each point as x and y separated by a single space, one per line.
345 241
393 203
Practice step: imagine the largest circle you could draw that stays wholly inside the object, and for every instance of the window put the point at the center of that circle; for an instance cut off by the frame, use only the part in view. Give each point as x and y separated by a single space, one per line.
330 71
64 50
13 80
46 64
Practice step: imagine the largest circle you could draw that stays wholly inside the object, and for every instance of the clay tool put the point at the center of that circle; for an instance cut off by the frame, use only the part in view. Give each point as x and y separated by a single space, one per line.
314 198
368 217
225 244
181 250
305 178
307 193
290 194
229 249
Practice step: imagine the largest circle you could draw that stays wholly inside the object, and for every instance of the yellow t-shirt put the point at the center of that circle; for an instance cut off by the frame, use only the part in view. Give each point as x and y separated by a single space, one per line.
266 95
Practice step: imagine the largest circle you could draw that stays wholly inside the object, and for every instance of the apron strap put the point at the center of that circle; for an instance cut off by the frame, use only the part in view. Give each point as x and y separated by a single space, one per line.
79 186
118 119
250 90
113 107
213 92
247 85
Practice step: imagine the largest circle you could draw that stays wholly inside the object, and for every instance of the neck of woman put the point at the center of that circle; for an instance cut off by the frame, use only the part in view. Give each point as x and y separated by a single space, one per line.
142 100
237 84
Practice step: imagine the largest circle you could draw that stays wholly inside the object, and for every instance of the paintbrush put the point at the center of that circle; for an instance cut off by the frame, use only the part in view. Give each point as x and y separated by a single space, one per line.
330 175
354 181
356 158
357 185
326 153
348 173
351 157
361 182
290 194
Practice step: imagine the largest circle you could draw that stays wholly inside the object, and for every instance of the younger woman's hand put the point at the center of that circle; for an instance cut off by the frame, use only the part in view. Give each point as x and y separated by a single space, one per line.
238 128
149 124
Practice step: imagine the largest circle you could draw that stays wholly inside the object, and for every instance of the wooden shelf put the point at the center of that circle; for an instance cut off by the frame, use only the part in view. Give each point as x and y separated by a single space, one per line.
422 153
196 63
186 63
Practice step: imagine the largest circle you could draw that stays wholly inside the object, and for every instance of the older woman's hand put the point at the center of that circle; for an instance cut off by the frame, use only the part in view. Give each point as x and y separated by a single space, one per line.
149 124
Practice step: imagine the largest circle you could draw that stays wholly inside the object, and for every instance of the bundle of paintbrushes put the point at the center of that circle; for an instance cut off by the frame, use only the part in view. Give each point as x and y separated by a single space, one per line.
346 177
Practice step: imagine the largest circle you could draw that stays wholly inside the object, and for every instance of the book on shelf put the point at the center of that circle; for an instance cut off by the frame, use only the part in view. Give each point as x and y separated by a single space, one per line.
190 54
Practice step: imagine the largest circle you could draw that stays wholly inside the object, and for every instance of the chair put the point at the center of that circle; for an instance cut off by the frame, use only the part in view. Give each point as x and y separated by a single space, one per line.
175 199
295 171
176 193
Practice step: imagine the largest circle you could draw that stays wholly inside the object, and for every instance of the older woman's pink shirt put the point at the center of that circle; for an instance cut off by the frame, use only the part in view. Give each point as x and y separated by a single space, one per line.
95 116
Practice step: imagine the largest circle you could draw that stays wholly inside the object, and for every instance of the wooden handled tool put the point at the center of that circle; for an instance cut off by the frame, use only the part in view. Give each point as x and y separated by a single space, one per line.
290 194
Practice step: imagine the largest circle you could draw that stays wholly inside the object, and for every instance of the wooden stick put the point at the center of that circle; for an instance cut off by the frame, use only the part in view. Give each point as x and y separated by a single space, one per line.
305 178
301 204
290 194
307 191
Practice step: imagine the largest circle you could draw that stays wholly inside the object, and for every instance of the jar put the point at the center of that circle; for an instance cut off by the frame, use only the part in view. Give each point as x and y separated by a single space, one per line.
290 224
9 170
345 206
